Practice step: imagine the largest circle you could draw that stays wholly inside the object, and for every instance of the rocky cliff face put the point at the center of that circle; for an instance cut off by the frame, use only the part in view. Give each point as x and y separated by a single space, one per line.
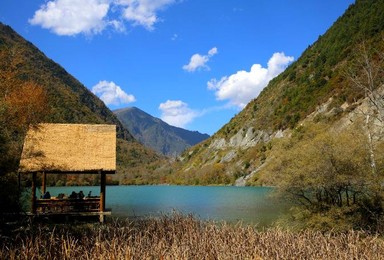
244 138
236 149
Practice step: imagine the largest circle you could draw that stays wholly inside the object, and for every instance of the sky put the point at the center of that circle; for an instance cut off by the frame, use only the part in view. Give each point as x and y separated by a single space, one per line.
193 63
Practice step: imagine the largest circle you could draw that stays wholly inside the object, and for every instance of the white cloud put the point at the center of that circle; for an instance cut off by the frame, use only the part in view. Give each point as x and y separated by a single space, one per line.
177 113
111 93
143 12
117 25
199 61
243 86
71 17
212 52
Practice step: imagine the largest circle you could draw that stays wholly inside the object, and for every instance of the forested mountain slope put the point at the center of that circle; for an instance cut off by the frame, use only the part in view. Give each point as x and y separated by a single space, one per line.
316 87
156 134
69 100
34 89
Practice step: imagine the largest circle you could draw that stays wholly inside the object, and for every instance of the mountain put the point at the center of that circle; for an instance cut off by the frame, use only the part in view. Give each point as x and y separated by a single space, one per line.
26 72
315 87
69 100
156 134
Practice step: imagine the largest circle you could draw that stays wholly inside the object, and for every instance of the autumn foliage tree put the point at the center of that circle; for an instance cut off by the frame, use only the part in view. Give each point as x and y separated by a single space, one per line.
22 103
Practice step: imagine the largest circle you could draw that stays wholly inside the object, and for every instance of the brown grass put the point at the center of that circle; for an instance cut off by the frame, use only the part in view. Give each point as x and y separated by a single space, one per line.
184 237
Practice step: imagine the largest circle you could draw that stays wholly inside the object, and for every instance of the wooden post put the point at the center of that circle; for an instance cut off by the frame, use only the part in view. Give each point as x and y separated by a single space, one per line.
19 187
33 201
44 183
102 195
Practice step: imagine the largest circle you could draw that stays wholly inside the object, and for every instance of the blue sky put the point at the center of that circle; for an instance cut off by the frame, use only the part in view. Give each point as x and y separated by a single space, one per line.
193 63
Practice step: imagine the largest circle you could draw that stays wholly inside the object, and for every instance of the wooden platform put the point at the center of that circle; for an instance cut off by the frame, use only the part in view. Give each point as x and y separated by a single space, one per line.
69 207
108 212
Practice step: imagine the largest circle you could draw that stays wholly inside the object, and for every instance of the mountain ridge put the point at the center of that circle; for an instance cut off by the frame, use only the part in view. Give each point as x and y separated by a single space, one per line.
157 134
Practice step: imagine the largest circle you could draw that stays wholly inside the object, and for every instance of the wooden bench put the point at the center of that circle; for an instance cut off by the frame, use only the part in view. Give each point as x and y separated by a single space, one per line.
67 205
70 207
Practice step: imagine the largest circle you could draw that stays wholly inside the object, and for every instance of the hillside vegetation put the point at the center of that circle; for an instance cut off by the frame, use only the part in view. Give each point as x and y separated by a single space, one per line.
67 99
316 84
315 132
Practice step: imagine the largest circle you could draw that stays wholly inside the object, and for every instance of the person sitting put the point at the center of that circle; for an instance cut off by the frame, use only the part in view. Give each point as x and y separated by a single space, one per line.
89 194
47 195
73 195
81 195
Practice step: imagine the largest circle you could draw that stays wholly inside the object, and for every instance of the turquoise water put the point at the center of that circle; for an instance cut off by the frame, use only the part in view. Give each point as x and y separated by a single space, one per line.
246 204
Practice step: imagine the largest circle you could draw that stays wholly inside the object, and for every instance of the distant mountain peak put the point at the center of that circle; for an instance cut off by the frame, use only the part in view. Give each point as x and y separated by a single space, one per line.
157 134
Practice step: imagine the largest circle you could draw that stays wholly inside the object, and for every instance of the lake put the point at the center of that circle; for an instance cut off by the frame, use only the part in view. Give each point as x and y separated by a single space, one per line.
251 205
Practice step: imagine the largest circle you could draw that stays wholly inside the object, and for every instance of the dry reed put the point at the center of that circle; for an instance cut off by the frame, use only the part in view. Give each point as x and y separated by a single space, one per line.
184 237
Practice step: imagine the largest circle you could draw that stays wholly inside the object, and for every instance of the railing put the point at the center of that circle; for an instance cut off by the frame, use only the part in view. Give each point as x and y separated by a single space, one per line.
67 206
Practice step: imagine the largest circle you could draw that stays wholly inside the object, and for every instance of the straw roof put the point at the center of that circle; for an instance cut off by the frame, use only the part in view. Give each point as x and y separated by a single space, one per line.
69 148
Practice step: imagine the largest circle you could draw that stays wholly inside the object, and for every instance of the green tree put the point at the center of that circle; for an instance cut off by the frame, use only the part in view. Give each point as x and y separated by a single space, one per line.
327 175
366 74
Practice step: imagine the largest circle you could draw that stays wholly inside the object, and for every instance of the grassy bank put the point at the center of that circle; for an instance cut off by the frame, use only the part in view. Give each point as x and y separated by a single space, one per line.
182 237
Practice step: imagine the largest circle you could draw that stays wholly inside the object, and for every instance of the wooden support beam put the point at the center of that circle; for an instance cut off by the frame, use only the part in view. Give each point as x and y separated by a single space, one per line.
33 200
44 183
102 194
19 186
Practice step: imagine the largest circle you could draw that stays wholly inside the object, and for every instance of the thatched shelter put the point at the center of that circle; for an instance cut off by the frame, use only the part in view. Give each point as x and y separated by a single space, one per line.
69 148
72 149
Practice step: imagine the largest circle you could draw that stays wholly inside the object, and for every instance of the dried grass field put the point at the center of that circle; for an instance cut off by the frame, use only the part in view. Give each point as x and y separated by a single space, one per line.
178 236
